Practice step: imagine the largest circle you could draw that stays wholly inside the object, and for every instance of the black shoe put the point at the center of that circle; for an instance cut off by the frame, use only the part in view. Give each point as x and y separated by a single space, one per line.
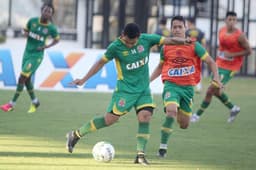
72 139
140 159
162 153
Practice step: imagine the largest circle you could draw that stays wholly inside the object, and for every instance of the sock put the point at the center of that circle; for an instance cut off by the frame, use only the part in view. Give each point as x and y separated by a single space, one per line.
204 105
19 89
166 132
30 89
142 136
224 99
91 126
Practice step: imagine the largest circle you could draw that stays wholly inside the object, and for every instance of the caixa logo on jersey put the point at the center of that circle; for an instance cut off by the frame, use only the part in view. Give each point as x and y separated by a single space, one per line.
61 73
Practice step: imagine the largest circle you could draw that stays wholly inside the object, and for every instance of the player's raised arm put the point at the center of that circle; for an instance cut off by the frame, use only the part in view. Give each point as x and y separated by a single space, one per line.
93 70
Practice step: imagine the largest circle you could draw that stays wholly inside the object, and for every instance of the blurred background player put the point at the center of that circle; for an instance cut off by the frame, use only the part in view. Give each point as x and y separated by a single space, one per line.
162 30
180 68
131 53
233 47
194 32
37 31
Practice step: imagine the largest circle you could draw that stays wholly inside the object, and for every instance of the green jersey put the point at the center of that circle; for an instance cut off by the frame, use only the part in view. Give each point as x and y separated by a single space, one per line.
37 36
132 63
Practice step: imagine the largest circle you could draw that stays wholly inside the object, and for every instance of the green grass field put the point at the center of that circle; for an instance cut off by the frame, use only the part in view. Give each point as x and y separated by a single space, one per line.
37 141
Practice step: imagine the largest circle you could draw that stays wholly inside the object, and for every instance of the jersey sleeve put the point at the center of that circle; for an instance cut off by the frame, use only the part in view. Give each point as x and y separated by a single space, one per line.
110 53
55 33
200 51
153 39
28 25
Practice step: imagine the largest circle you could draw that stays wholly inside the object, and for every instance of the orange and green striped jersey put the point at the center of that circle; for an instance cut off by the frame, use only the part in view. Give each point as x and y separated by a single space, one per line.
182 63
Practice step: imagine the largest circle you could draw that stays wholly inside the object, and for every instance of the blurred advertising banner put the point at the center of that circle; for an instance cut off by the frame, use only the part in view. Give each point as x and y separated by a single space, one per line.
63 64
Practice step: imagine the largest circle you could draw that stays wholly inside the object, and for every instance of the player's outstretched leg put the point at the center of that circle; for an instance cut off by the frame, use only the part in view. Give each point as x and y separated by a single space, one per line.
72 139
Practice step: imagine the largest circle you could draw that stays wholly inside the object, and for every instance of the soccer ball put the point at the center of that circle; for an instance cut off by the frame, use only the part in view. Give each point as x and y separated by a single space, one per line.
103 151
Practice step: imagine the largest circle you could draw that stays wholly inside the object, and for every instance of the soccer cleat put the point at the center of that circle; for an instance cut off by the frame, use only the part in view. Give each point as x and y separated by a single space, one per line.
7 107
140 159
72 139
194 118
162 153
233 113
33 107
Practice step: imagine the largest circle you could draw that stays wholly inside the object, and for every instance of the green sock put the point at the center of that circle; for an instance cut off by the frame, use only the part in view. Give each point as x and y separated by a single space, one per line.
19 89
93 125
166 129
204 105
142 136
30 89
224 99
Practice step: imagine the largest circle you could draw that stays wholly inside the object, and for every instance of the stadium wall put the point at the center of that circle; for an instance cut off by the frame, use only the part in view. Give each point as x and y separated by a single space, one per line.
61 65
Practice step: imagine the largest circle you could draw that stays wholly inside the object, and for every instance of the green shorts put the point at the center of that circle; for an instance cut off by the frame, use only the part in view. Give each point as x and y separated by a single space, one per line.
30 63
121 103
226 75
182 96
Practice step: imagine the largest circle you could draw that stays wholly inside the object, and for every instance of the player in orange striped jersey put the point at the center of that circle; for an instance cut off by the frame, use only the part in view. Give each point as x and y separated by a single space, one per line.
233 47
180 67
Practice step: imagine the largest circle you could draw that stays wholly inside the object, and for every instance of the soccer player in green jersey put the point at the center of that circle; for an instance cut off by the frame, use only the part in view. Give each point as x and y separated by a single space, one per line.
37 31
131 53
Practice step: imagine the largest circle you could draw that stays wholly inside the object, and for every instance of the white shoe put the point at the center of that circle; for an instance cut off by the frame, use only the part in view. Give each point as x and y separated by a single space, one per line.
233 113
194 118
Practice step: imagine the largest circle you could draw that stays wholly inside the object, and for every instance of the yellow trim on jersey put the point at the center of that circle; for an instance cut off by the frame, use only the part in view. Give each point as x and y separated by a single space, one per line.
146 105
185 113
92 125
167 130
204 56
171 102
145 136
105 58
161 42
119 70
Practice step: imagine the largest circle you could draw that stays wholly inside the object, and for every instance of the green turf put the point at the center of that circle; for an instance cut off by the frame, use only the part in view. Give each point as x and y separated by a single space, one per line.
37 141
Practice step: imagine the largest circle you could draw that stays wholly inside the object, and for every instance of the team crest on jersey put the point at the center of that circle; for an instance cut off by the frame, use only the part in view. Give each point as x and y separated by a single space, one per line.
167 95
121 102
34 25
140 48
125 53
45 31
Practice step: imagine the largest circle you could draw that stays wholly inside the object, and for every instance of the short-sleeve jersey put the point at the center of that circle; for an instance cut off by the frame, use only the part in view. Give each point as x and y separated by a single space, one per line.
38 34
182 63
132 63
229 42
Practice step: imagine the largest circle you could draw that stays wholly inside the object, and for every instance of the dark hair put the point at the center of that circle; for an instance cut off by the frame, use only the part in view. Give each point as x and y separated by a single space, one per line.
163 21
131 30
179 18
48 5
192 20
231 13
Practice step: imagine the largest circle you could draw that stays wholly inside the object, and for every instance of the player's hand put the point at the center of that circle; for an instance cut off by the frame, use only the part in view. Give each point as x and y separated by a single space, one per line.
77 82
189 40
217 86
